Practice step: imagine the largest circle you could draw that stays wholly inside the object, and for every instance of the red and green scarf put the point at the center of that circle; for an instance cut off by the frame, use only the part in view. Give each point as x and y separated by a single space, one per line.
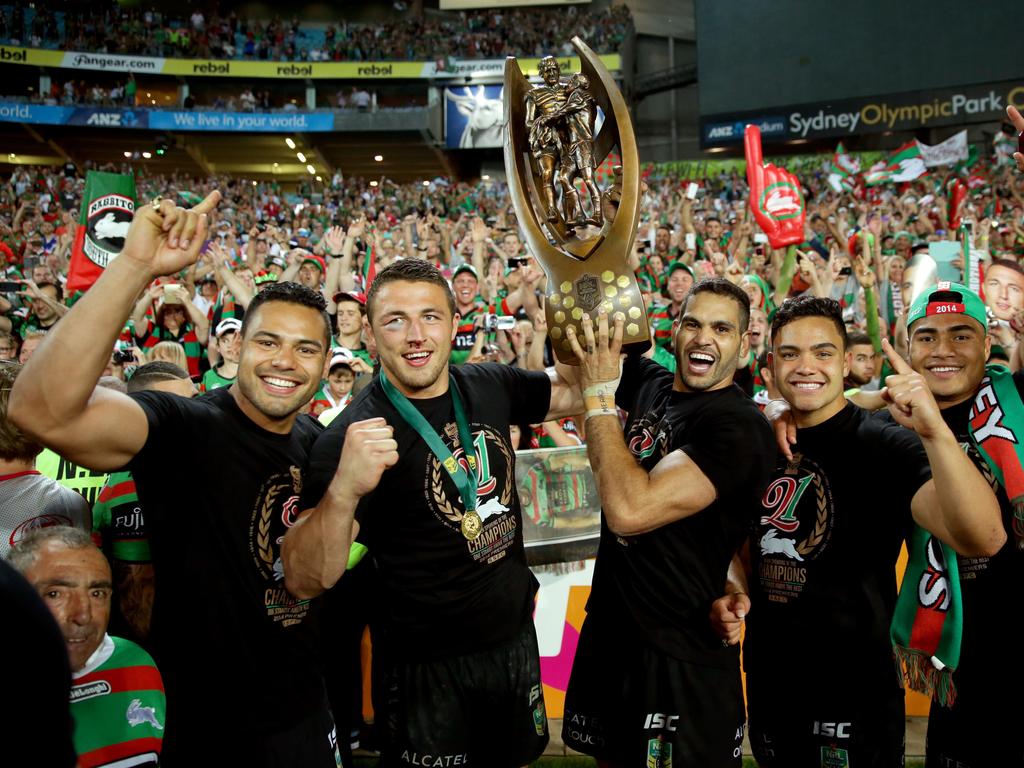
928 623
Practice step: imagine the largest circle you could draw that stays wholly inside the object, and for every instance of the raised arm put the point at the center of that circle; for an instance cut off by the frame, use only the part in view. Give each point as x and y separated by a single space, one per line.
957 504
55 399
634 502
315 550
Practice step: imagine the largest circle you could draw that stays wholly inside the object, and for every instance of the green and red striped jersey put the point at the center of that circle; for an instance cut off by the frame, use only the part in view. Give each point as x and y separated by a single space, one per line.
118 705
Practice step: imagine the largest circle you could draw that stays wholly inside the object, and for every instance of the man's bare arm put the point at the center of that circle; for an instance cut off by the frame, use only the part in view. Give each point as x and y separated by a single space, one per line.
315 550
55 398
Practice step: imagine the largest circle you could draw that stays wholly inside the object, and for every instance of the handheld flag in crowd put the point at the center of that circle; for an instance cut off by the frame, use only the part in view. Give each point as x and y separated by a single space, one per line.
108 207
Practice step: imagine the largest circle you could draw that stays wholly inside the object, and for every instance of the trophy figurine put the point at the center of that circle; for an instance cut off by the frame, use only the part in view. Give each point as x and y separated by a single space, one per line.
551 155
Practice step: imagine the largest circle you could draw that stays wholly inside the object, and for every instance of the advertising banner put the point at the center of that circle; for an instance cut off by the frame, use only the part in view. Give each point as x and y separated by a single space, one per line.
561 508
241 121
896 112
168 120
316 70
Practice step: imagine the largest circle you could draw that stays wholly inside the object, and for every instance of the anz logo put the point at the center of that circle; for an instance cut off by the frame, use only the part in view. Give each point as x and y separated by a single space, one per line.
733 131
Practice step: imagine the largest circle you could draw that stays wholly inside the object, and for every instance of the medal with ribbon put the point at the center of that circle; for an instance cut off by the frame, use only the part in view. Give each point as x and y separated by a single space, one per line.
464 477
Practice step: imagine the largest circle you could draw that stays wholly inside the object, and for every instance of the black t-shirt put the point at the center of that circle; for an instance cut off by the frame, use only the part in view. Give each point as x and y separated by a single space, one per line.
235 648
825 539
985 583
441 595
664 581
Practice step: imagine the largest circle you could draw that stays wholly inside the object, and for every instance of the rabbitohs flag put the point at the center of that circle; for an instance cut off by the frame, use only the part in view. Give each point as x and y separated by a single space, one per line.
108 207
905 164
842 174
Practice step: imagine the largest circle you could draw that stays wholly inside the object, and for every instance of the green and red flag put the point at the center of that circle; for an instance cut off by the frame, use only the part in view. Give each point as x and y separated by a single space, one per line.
842 174
369 267
905 164
108 207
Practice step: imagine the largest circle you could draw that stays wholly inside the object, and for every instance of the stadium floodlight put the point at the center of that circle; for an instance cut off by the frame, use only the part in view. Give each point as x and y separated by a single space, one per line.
379 158
290 143
302 157
373 183
254 182
311 169
426 183
319 178
128 154
147 155
485 177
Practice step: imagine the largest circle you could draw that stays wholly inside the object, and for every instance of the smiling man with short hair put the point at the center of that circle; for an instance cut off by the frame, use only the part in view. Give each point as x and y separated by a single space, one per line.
426 485
216 554
825 541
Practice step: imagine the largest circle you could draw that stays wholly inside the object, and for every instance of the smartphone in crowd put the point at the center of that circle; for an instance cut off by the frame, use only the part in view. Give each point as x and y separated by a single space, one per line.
10 286
691 241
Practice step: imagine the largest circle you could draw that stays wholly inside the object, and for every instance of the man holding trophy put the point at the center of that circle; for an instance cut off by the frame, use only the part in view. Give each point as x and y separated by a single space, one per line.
651 684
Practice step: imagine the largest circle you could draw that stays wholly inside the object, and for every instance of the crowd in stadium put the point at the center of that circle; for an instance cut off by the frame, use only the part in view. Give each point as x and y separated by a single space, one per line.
209 35
265 232
341 293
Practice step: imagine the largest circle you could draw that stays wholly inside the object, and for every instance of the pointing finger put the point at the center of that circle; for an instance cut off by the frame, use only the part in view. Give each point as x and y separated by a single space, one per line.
898 363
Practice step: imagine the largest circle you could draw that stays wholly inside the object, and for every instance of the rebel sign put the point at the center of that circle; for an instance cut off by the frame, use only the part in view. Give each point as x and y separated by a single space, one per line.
775 196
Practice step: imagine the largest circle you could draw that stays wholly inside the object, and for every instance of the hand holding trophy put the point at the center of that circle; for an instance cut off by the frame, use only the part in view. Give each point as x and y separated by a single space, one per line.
551 153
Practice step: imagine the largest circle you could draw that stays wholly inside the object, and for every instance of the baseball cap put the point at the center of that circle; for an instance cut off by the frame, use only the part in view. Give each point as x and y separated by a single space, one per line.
356 296
341 356
948 299
302 232
227 325
316 261
677 265
465 268
264 277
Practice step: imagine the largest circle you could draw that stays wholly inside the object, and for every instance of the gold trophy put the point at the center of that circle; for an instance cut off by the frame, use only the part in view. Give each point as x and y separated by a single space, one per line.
551 155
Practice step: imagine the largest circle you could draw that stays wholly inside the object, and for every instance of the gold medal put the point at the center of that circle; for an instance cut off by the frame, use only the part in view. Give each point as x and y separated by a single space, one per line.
472 525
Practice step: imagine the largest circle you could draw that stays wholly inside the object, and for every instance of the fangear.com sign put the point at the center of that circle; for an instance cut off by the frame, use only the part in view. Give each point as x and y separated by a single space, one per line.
109 217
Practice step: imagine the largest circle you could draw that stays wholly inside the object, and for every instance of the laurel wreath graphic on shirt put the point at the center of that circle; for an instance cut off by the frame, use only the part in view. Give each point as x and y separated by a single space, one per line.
437 474
263 540
816 536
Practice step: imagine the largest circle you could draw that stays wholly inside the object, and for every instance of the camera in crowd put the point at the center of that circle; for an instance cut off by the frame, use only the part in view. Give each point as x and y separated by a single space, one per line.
491 322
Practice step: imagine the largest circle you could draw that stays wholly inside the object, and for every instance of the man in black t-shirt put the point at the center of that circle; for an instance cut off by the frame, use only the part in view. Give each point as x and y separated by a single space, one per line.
426 485
821 689
651 684
949 349
243 686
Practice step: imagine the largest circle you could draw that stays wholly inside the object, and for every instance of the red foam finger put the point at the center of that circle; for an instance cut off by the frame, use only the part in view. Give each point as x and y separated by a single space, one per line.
755 160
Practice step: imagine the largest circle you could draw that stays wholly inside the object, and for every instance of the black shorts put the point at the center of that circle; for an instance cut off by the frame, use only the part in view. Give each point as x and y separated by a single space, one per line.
635 706
482 709
981 729
800 729
312 742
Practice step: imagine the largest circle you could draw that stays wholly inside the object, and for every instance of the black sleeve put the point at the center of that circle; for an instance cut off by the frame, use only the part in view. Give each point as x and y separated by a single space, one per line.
901 454
527 393
322 463
637 370
733 446
168 417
